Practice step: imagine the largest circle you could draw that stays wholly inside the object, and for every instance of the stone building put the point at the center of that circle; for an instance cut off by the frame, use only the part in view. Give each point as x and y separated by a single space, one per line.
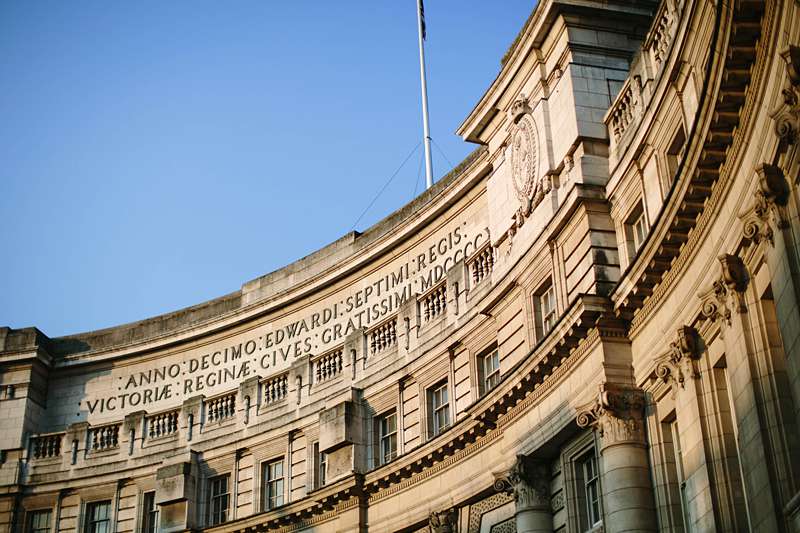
591 324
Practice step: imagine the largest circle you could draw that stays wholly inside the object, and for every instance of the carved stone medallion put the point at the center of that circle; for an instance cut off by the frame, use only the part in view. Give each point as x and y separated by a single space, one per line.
524 160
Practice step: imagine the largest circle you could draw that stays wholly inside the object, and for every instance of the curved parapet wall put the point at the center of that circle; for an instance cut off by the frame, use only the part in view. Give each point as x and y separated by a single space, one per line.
590 323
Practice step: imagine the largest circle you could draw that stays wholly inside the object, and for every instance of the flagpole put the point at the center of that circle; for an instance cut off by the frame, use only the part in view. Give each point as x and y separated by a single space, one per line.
423 81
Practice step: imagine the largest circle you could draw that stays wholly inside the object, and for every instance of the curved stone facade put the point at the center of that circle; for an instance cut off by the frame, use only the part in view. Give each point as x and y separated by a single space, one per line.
591 324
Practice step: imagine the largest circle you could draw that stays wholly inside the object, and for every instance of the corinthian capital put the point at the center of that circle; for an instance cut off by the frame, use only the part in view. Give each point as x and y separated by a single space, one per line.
616 414
529 480
443 521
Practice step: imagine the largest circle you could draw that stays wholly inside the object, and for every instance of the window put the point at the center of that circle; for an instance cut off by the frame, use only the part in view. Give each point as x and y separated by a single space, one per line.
489 370
636 230
387 437
676 446
544 309
149 513
217 500
440 408
39 521
591 488
272 475
321 464
98 517
674 155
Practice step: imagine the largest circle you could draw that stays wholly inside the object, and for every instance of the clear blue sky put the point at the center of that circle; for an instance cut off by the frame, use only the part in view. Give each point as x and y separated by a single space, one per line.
159 154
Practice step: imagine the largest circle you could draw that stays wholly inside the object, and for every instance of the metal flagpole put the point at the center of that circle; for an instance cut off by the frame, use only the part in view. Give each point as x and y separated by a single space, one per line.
425 126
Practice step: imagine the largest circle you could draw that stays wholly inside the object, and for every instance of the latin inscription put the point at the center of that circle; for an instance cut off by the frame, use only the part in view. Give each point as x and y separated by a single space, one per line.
273 348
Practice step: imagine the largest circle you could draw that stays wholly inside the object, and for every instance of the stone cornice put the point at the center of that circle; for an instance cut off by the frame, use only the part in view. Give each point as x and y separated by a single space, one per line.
694 200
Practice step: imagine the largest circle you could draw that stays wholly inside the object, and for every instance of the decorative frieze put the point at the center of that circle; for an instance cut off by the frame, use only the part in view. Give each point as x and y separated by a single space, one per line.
679 363
616 414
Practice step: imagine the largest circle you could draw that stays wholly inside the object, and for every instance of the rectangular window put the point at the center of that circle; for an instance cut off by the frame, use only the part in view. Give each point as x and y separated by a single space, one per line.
149 513
98 517
490 370
272 475
674 156
39 521
320 464
387 438
591 488
440 408
218 500
676 447
639 231
544 309
636 230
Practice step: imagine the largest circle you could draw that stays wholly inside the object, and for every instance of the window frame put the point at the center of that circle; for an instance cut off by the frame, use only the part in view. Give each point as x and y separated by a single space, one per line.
590 488
213 497
273 493
635 223
489 378
439 391
90 521
150 515
545 309
384 436
320 466
31 516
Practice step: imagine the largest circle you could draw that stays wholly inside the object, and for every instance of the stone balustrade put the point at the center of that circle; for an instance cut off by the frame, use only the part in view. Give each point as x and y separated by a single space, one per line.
104 438
275 388
220 408
661 34
162 424
328 366
434 303
46 446
481 264
383 336
625 109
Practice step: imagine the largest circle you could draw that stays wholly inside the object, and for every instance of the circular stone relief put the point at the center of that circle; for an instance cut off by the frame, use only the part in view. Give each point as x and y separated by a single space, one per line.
524 155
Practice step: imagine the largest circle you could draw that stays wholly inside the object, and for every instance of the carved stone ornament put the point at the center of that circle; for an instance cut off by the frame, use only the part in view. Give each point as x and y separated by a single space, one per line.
679 363
769 209
523 150
787 114
616 414
727 293
443 521
529 481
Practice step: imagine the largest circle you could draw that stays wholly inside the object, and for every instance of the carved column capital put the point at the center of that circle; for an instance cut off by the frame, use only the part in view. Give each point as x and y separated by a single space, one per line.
443 521
679 363
616 414
529 480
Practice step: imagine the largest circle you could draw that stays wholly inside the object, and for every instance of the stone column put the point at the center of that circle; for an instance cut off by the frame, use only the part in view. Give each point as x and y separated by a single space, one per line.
530 481
617 415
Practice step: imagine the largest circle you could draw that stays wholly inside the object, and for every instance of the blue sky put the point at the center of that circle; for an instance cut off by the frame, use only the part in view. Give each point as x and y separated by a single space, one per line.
159 154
